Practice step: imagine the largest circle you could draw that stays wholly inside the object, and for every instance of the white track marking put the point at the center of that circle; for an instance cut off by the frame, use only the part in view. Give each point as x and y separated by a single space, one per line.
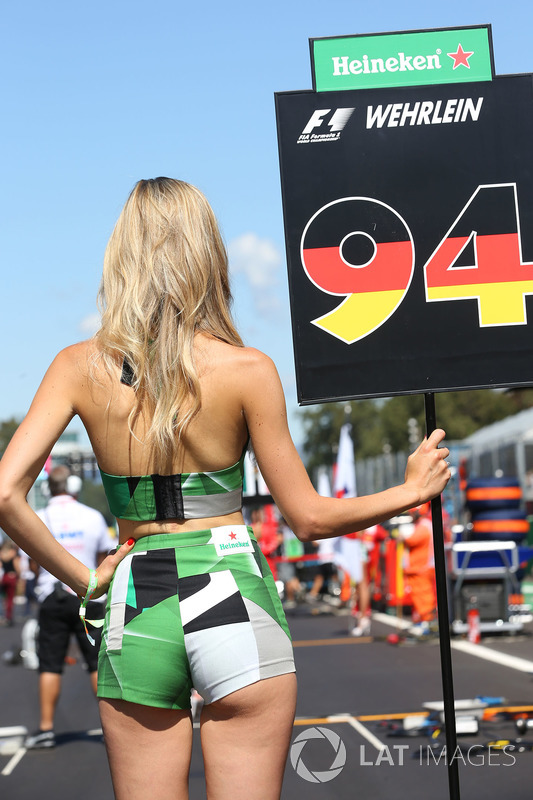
514 662
10 766
365 733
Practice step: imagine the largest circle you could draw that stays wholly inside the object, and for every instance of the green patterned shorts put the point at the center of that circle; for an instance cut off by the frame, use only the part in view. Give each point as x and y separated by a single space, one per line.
197 609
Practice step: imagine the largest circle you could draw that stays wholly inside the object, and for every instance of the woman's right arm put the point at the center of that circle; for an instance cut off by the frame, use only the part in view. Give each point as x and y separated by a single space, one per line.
52 408
310 515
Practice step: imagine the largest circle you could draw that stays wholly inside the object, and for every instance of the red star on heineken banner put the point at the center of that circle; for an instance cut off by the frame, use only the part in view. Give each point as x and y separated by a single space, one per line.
233 535
460 57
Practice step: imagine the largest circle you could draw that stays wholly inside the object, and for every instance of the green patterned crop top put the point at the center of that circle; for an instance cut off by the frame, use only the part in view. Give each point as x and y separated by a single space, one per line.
190 495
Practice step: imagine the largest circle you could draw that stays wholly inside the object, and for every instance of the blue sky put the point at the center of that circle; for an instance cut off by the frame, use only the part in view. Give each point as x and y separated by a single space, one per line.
97 96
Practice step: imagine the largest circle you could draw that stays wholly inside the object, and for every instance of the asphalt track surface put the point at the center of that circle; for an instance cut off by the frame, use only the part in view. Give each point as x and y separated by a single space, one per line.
347 687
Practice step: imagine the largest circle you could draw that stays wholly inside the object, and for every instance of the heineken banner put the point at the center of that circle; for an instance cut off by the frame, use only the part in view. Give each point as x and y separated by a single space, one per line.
409 228
402 59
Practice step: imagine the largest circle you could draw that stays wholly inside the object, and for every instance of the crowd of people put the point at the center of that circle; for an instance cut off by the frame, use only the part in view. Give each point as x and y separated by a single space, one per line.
340 576
322 576
344 575
352 574
53 606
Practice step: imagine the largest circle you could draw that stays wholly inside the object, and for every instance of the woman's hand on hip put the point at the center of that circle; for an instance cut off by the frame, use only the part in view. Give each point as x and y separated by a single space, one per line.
107 568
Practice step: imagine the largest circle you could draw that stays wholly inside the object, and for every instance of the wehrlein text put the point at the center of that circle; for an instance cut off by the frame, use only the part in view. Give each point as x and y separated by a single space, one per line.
424 112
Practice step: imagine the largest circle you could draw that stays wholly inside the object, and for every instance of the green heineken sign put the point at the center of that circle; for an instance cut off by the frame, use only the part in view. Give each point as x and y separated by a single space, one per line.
414 58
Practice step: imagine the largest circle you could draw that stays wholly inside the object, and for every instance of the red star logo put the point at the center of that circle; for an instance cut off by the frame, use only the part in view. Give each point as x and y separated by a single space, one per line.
233 535
461 58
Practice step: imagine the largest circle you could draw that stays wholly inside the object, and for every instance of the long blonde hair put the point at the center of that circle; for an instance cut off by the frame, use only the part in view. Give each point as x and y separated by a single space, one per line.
165 278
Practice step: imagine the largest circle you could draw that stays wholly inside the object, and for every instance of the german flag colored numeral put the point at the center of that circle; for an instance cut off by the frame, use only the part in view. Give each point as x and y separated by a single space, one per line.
481 258
361 248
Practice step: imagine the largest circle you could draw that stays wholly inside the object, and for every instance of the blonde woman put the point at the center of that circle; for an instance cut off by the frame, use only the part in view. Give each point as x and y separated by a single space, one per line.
170 398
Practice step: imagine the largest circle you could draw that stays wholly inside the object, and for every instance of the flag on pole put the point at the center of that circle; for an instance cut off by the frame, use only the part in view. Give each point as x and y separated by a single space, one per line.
347 549
324 486
254 483
345 485
326 547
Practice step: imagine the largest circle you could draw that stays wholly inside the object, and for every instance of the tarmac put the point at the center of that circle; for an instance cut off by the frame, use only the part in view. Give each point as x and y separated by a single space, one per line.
354 695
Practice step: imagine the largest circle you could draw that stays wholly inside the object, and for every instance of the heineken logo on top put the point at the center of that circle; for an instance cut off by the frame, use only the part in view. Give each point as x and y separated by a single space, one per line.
413 58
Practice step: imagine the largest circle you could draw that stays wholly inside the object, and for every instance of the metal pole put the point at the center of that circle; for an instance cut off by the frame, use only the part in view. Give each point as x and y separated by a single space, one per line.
444 622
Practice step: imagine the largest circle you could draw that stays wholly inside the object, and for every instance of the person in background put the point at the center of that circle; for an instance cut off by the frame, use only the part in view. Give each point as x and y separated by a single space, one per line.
322 572
420 569
265 527
361 600
83 532
28 580
289 547
10 573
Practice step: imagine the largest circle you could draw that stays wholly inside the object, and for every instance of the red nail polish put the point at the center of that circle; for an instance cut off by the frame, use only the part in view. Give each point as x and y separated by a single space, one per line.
130 541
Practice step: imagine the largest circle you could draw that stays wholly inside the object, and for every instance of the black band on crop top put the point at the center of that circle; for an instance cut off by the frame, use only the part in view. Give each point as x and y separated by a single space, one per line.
192 495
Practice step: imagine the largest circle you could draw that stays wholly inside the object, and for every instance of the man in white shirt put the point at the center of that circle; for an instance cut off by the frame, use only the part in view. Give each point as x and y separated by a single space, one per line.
83 532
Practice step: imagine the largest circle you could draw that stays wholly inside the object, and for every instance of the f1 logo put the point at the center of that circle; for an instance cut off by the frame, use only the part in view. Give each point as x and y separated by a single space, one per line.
336 123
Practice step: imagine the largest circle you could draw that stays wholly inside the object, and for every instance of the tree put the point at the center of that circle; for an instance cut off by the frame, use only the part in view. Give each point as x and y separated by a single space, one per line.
384 425
322 425
7 429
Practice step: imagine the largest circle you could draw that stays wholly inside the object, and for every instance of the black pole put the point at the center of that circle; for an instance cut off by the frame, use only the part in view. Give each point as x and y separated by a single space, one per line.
444 622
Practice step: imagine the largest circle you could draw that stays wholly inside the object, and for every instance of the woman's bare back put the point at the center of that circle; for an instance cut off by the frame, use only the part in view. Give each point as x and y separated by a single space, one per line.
214 439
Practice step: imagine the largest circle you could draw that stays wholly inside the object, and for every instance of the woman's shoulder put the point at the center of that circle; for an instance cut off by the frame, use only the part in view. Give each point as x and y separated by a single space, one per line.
236 357
72 354
80 359
252 358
